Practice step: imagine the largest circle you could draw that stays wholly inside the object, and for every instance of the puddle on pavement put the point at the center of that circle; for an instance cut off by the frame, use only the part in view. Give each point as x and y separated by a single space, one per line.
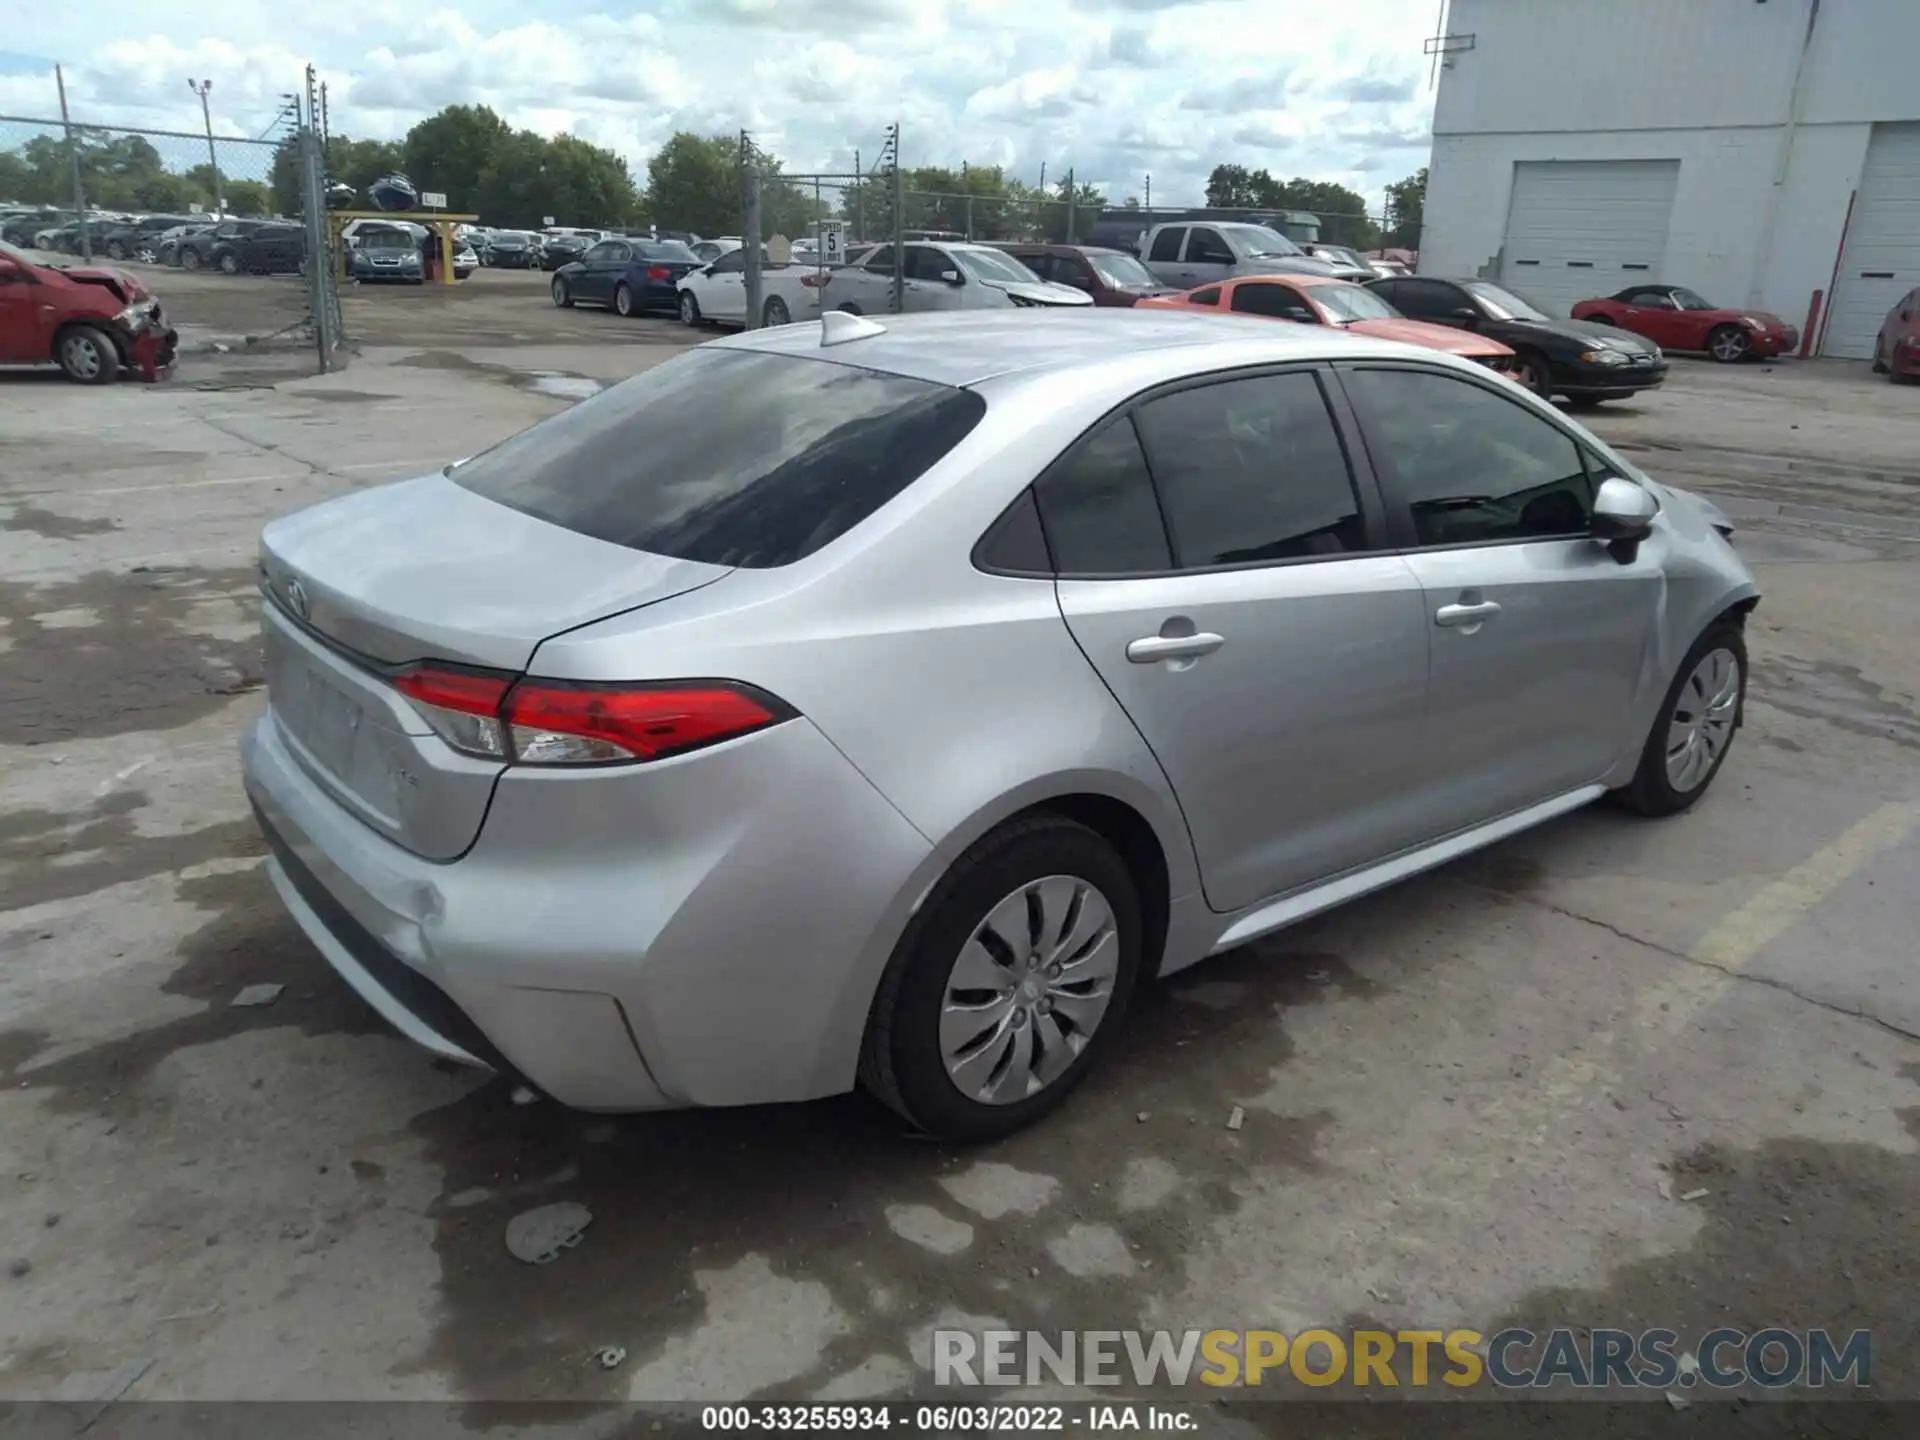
101 846
138 666
249 939
31 519
1836 694
848 1217
556 384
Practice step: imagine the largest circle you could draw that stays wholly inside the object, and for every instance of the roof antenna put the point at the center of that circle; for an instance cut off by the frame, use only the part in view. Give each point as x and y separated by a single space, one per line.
837 327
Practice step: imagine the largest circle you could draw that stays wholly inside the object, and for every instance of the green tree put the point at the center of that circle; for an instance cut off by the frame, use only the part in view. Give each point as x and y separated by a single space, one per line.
248 197
1406 209
353 162
448 152
531 177
693 183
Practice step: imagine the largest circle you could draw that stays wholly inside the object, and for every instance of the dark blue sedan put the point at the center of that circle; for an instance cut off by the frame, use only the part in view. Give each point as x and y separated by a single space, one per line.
629 277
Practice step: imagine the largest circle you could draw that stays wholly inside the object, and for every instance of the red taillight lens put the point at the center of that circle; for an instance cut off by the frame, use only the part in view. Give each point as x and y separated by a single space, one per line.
658 272
813 281
578 725
545 722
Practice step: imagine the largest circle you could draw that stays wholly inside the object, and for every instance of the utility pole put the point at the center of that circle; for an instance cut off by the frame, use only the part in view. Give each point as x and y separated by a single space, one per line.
1070 199
200 88
1149 206
859 200
750 236
73 155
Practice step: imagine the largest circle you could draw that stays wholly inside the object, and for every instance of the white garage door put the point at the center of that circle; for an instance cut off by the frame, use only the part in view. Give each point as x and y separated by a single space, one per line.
1581 228
1882 257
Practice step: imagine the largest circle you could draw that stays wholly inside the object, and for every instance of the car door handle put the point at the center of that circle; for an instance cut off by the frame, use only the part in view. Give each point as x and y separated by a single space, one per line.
1173 647
1451 615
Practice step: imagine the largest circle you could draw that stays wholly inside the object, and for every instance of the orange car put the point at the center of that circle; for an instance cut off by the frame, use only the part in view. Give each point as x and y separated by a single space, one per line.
1323 300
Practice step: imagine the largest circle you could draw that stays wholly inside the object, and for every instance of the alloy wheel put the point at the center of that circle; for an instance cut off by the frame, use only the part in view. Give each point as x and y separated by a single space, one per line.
1028 990
1729 344
1702 722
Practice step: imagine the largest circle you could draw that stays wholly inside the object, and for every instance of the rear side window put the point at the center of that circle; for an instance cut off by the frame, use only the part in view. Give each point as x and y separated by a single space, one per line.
809 450
1209 296
1099 511
1251 470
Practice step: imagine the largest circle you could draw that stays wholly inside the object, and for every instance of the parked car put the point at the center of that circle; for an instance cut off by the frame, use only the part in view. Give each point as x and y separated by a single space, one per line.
1896 349
717 292
386 256
1111 277
1318 300
893 730
1675 318
267 249
1344 263
135 239
1583 361
20 227
166 247
465 261
1185 255
512 250
558 250
91 322
196 251
353 230
942 277
629 277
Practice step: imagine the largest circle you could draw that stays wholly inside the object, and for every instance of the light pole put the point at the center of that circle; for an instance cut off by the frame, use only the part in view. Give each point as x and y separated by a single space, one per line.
200 88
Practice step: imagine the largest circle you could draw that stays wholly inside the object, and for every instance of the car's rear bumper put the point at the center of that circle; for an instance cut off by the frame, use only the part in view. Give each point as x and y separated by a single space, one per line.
700 931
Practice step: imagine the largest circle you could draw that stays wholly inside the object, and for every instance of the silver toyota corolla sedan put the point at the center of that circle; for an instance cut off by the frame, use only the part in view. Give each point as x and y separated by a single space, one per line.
979 666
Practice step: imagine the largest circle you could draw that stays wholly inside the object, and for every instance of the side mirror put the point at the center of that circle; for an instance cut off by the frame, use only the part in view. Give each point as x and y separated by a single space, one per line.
1623 516
1302 316
1466 315
953 277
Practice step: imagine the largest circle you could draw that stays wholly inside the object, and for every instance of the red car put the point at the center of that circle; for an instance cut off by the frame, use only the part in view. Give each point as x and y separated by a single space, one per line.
1675 318
1111 277
1896 350
93 322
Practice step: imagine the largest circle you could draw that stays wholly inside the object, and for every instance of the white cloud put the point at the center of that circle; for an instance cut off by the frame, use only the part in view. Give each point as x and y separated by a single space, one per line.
1113 89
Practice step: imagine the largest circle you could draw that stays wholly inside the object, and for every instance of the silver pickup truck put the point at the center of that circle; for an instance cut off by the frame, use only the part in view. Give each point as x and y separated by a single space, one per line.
1189 253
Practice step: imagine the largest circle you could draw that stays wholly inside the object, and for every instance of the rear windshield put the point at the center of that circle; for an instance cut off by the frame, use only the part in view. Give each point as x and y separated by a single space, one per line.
666 250
728 457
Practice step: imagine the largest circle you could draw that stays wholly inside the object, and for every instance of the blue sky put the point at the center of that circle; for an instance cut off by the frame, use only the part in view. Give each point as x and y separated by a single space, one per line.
1116 89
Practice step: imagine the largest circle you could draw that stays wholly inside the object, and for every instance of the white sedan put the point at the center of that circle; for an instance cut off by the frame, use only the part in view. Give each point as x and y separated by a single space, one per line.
717 292
943 276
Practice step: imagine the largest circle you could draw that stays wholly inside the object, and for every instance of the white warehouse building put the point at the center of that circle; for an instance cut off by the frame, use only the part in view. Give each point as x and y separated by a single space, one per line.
1756 151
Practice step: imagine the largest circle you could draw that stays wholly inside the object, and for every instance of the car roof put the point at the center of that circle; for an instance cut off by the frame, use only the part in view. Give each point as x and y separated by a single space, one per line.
1305 280
966 347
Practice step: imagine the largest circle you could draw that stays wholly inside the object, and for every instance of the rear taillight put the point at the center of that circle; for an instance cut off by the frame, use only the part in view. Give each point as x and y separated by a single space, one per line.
550 722
659 272
814 281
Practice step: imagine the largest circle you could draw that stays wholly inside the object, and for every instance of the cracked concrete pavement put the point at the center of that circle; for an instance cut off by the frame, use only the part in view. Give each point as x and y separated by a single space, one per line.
1467 1099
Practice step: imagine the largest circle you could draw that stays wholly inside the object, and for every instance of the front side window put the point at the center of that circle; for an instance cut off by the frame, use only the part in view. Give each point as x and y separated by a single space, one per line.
1205 247
1251 470
926 263
1468 466
1650 300
1166 245
1428 299
1503 304
1098 508
809 450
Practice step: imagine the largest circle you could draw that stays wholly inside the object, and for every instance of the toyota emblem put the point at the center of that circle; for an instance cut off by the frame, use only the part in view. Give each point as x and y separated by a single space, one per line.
297 598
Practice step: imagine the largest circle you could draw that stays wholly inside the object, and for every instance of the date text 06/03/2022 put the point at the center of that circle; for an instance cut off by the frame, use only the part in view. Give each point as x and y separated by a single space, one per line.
947 1419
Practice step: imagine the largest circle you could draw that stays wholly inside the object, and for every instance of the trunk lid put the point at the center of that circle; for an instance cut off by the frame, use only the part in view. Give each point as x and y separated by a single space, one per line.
423 570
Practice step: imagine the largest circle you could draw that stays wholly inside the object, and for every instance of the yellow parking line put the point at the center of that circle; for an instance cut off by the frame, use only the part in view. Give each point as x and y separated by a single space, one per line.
1666 1006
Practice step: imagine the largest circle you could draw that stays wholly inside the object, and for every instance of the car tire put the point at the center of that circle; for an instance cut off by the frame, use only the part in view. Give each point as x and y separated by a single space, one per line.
1707 704
775 312
1536 374
1879 360
116 251
190 260
87 355
689 309
623 300
1729 344
1075 878
1584 402
227 262
562 296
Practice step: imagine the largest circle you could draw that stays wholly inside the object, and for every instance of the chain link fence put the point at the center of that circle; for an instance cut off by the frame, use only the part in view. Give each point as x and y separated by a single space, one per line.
867 206
216 226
